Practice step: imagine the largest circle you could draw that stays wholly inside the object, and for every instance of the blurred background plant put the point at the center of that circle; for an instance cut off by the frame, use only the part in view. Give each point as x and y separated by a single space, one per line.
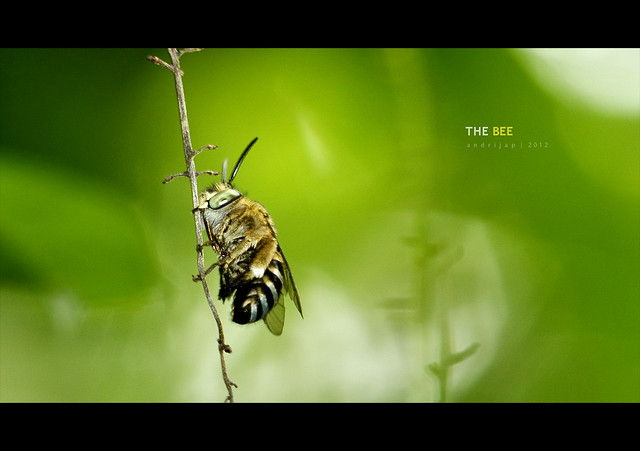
387 213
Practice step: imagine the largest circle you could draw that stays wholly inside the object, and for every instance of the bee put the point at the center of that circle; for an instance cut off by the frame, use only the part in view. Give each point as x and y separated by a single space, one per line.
254 273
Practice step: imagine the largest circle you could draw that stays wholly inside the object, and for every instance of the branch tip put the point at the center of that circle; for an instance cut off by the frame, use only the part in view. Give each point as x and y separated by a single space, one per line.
198 174
190 50
157 61
173 176
207 147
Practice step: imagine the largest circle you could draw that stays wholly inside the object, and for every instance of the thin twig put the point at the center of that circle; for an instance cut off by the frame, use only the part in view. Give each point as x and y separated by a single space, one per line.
192 174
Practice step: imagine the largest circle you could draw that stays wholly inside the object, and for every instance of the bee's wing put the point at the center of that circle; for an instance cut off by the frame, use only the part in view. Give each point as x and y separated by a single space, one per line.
290 285
275 317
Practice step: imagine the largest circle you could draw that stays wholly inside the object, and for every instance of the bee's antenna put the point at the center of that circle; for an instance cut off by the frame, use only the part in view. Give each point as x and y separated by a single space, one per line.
235 170
224 170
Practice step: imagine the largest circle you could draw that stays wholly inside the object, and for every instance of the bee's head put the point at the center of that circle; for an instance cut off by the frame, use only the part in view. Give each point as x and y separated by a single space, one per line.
218 196
223 193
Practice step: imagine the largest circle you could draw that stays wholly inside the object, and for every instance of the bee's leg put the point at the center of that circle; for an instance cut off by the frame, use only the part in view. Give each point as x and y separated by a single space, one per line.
200 247
197 277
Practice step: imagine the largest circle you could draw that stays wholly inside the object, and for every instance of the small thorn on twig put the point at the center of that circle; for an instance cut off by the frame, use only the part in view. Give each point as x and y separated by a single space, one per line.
186 174
171 177
207 147
198 174
191 49
226 348
193 153
159 62
154 59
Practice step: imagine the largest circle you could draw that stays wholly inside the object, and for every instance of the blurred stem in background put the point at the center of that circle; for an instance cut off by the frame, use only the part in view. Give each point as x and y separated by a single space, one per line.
427 270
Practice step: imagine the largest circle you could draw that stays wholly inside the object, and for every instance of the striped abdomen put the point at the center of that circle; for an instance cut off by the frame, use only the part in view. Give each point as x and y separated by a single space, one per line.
253 299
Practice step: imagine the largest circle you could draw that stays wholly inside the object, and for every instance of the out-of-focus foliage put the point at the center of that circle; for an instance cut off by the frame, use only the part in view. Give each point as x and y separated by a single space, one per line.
407 237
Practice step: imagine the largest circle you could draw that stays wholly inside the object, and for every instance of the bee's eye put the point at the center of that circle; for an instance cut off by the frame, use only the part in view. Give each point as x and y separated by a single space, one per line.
222 198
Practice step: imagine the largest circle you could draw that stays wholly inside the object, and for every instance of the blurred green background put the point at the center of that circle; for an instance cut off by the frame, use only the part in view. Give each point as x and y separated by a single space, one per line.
409 239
